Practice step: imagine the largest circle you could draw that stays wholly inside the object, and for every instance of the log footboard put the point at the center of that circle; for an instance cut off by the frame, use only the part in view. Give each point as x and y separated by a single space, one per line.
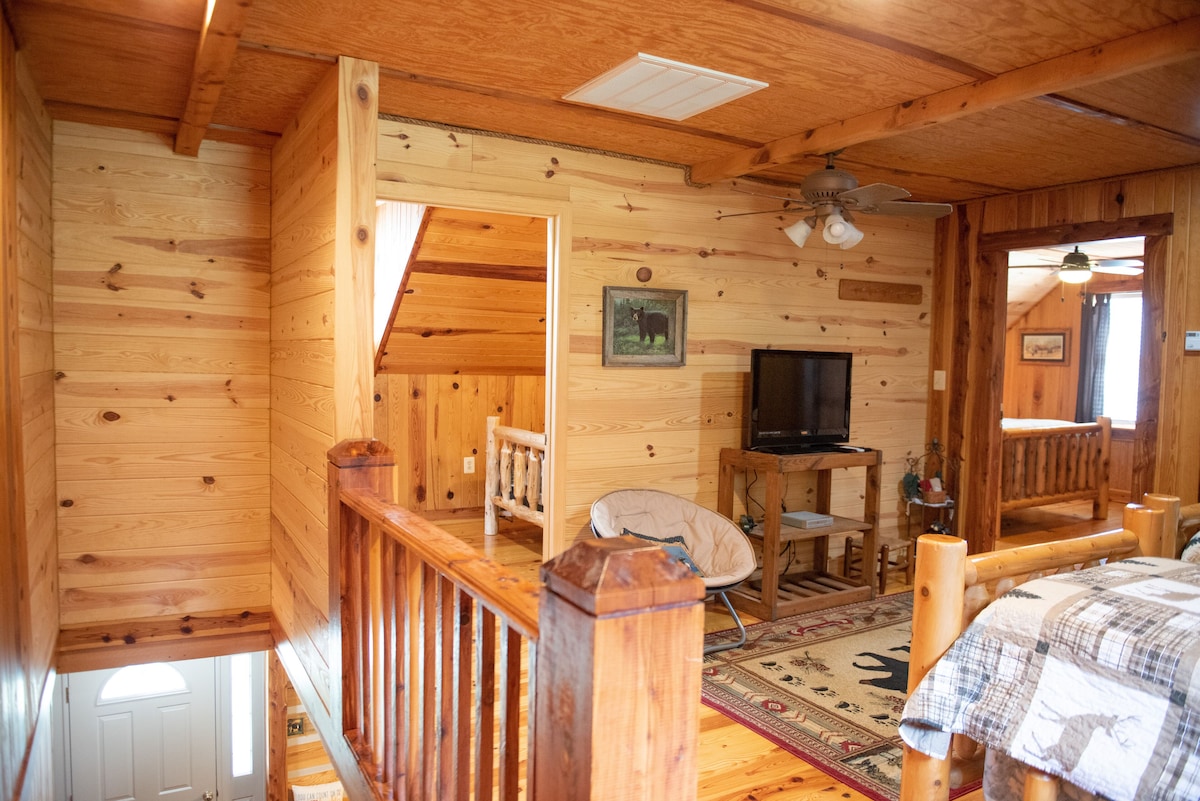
1041 465
952 588
513 478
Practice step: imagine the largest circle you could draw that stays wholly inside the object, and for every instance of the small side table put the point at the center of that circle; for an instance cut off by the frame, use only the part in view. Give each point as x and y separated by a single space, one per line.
945 514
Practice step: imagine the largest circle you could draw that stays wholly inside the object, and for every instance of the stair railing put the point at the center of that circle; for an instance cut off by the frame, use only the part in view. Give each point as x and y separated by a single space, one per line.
462 681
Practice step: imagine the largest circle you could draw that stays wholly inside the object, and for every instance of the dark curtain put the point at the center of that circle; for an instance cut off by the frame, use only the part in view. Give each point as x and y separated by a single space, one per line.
1093 341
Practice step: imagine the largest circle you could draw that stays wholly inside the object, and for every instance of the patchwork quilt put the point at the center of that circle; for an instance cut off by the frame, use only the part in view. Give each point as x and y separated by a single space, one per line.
1093 676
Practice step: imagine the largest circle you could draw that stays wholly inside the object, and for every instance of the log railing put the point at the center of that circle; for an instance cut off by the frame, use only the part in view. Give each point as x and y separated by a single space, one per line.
513 476
462 681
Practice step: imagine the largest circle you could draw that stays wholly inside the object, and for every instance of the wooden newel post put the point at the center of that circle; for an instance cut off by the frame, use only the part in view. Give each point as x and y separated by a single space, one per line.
353 464
941 562
621 631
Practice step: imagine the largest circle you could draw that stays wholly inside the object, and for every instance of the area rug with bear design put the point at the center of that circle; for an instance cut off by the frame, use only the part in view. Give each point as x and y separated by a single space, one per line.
827 686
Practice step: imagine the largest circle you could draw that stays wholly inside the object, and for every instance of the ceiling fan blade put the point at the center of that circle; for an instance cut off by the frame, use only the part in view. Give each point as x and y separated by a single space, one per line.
908 209
797 209
1118 266
871 195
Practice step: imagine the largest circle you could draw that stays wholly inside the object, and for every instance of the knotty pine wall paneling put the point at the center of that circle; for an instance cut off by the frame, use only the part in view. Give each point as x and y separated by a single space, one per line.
161 290
432 421
34 254
748 286
24 325
322 251
1044 389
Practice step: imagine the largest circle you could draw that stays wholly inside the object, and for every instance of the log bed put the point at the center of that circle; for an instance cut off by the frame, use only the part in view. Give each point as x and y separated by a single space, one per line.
513 482
952 588
1050 461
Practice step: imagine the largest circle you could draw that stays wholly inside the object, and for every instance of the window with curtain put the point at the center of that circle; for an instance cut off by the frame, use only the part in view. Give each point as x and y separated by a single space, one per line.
1122 358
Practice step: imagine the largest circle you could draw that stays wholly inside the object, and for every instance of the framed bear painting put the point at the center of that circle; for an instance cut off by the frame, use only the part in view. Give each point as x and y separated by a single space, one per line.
645 327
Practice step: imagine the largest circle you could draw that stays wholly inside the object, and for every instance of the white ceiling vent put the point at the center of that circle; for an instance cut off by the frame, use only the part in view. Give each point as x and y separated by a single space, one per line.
658 87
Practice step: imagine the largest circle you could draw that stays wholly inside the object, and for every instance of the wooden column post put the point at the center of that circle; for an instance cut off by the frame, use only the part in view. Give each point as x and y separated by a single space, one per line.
358 464
618 674
941 562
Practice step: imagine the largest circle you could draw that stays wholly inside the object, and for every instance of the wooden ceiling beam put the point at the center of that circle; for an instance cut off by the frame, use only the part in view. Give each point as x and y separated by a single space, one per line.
1159 47
465 269
214 56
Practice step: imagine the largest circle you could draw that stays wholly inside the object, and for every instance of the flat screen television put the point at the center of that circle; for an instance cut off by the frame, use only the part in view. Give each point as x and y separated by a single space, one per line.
799 400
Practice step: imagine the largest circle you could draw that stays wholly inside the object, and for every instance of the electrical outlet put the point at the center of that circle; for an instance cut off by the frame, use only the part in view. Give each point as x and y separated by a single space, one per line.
468 464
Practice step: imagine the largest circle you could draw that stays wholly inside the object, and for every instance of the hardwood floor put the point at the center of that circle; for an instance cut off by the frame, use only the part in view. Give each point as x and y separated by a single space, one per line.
737 764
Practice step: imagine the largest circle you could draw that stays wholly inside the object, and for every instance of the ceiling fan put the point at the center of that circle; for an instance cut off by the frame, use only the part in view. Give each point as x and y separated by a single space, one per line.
1077 267
833 196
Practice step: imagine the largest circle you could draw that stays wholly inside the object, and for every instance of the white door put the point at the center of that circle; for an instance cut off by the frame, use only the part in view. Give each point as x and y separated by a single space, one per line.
144 732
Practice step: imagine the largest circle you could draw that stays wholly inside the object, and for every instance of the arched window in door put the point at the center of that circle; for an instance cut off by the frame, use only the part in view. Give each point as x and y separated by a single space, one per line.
142 681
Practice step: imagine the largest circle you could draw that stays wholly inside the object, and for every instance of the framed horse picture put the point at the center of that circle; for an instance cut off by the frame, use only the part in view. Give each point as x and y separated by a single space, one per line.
645 327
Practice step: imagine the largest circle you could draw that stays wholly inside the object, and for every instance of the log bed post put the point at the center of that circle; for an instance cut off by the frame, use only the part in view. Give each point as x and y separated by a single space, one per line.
941 562
617 712
951 587
1170 506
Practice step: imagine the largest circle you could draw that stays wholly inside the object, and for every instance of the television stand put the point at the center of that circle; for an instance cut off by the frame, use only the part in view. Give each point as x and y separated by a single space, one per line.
773 596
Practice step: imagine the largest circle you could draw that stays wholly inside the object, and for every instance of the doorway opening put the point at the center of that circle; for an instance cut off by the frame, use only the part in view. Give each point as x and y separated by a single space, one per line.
467 301
188 729
1099 320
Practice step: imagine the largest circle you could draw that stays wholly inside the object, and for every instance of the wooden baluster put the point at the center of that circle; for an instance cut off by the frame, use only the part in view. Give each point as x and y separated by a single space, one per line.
447 730
491 479
377 656
618 661
518 482
429 682
463 617
1074 460
485 700
387 591
1042 467
414 629
510 714
1020 470
533 479
506 476
1009 461
1064 473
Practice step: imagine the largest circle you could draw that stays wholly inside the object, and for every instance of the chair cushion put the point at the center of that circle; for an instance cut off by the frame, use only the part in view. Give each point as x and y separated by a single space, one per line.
719 548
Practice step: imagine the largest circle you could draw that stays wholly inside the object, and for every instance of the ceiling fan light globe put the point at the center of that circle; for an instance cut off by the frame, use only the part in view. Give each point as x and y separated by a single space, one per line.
836 229
1074 275
853 237
798 231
